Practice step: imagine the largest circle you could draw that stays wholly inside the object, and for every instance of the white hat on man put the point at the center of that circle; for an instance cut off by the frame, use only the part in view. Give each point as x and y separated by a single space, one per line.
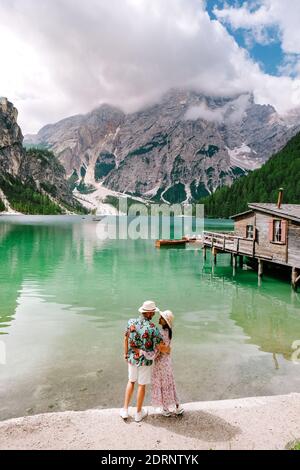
148 306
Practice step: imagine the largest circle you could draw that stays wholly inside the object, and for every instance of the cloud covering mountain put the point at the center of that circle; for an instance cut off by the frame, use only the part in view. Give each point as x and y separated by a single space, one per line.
63 57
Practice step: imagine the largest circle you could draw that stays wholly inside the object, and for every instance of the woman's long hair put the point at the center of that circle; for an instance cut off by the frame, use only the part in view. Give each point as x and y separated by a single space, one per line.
166 327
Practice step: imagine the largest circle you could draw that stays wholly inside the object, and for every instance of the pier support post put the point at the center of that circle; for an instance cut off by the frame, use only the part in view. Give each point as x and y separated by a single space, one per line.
294 273
260 268
241 260
235 261
215 252
204 253
295 278
294 297
234 264
231 259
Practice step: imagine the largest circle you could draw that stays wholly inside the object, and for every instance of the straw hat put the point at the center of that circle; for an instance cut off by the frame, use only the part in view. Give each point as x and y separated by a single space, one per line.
168 317
148 306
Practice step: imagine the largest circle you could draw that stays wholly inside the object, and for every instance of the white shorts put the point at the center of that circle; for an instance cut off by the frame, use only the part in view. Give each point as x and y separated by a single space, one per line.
141 374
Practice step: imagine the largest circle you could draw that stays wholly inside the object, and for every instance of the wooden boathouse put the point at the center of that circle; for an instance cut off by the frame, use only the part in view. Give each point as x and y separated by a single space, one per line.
266 233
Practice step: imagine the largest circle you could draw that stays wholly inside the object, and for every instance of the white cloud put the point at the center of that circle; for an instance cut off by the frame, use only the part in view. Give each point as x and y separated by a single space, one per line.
290 65
245 17
67 56
232 112
204 112
281 14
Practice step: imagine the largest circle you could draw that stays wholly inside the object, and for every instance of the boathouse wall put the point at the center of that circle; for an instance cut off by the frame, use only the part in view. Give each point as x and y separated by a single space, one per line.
294 244
268 233
265 246
240 227
286 251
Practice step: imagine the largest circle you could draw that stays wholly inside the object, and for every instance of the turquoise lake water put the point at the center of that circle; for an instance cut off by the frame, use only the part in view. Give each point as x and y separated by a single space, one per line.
66 297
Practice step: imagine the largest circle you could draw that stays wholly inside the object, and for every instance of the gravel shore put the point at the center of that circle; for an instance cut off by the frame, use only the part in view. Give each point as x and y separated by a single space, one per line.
248 423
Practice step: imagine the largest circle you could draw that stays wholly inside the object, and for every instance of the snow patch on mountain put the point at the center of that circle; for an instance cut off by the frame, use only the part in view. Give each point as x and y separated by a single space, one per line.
152 192
95 201
243 157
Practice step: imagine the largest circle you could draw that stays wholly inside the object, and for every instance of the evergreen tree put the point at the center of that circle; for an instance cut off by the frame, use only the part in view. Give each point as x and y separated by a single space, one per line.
2 206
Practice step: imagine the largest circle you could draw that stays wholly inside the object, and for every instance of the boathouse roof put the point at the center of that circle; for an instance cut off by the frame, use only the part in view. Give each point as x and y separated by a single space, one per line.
241 214
288 211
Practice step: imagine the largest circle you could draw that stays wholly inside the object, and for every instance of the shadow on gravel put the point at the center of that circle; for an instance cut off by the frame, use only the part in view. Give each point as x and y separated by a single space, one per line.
197 425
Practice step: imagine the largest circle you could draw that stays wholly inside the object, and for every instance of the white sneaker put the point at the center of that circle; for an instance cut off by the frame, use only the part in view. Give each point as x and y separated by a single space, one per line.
179 411
124 413
165 412
141 415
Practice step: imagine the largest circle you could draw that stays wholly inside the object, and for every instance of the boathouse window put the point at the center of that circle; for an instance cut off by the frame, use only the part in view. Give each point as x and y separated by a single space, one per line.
250 231
278 231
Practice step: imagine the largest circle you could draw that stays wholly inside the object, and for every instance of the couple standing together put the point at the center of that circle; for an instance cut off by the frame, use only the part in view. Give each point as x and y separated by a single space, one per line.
147 351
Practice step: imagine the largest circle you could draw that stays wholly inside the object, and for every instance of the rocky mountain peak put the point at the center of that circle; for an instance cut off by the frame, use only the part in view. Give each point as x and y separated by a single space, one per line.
181 148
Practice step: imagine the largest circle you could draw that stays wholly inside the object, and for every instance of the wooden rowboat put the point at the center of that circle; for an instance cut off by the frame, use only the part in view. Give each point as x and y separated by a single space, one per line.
170 243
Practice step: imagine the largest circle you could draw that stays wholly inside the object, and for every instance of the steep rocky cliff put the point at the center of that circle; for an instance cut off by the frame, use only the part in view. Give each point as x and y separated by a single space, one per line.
182 148
11 139
42 167
30 181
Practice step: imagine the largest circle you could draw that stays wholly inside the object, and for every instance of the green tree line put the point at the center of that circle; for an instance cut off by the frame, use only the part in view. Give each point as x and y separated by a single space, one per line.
25 198
282 170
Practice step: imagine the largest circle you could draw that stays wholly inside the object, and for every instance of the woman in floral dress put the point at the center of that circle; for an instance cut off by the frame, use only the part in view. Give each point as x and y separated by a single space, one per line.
164 394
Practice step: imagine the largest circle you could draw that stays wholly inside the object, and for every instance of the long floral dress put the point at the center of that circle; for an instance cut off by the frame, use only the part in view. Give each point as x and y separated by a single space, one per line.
164 392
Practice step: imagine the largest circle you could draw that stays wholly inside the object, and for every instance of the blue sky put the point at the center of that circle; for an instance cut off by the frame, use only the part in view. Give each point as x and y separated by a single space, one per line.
269 56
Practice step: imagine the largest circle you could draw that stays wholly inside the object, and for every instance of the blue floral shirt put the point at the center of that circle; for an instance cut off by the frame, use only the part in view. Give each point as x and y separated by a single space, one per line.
143 335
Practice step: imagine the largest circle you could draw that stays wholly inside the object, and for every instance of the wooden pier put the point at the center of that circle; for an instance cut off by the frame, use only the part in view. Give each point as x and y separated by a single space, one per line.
267 233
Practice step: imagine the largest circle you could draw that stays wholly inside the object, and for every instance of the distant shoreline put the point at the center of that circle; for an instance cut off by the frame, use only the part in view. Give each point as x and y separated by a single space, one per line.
83 216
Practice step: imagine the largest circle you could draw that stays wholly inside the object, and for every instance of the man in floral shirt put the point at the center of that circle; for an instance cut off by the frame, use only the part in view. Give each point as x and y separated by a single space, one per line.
140 334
